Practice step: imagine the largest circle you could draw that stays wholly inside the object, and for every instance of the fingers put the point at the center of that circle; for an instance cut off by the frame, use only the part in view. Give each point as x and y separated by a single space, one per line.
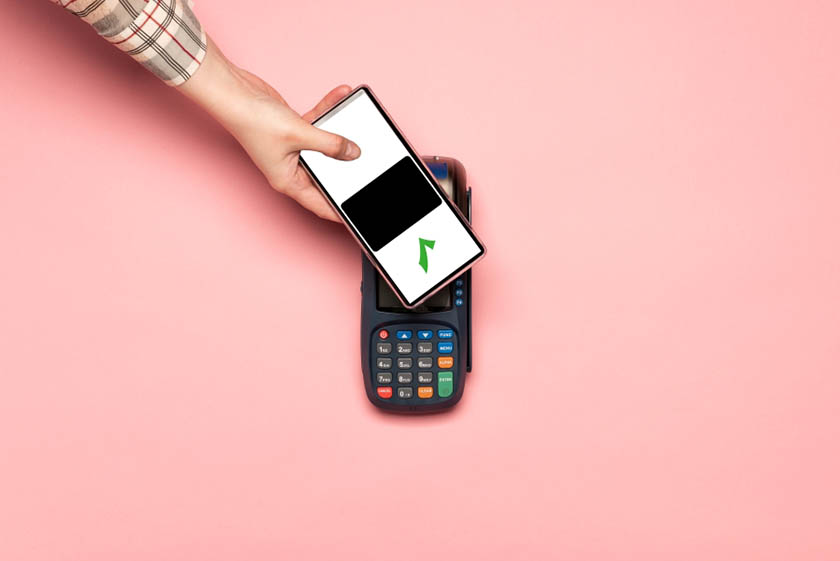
327 143
326 102
310 197
332 145
315 202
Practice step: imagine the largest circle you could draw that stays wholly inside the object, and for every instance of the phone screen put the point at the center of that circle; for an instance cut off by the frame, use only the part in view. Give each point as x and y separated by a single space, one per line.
391 202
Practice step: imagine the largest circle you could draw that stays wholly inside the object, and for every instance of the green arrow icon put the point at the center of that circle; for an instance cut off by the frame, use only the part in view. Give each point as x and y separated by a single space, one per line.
424 259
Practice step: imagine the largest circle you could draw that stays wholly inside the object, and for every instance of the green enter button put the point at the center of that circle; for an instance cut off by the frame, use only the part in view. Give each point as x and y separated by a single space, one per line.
445 380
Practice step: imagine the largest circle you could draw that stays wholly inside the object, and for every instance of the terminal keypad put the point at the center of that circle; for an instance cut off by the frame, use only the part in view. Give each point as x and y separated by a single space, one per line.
414 365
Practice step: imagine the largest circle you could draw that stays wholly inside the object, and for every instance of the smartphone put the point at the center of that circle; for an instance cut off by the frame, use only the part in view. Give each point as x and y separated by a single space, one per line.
410 230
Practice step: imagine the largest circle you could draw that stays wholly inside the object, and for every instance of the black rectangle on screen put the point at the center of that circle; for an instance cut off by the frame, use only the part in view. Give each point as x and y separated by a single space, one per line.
391 203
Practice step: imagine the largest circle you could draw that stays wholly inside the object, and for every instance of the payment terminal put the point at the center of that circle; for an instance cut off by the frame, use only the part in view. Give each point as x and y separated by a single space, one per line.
415 361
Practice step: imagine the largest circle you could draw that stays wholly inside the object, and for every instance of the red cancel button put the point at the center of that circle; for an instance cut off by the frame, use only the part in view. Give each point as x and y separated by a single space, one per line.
385 392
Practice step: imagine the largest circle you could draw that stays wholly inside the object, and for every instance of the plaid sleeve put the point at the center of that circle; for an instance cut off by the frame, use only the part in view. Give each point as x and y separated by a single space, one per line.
162 35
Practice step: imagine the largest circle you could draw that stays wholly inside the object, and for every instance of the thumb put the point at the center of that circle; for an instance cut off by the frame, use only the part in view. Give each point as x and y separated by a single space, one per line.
329 144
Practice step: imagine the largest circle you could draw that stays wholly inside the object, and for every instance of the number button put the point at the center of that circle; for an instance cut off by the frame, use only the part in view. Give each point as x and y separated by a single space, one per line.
383 377
383 348
424 377
404 377
383 363
404 393
424 348
424 362
404 348
403 363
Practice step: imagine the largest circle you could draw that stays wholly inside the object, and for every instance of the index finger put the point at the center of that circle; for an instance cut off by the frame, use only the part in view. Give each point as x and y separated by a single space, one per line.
333 97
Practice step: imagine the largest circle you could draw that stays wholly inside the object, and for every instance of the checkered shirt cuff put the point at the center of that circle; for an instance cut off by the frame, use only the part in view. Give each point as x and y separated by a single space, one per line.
162 35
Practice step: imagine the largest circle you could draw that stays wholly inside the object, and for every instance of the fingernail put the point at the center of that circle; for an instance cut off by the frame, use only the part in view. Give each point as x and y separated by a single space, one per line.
351 151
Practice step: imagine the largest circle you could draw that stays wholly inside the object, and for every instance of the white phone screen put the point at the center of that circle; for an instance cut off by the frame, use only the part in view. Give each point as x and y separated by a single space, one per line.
390 202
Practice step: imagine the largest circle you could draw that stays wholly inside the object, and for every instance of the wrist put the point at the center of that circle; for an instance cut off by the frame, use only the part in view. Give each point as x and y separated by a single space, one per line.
218 88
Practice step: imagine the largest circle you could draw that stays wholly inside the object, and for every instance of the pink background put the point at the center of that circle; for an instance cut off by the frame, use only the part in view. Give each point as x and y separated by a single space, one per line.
657 321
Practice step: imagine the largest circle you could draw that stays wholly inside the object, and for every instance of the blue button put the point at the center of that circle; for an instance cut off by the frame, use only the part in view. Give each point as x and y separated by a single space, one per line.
445 333
459 301
459 292
425 334
445 347
459 282
403 335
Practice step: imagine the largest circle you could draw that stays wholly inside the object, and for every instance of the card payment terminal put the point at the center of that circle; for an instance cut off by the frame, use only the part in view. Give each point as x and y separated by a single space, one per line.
415 361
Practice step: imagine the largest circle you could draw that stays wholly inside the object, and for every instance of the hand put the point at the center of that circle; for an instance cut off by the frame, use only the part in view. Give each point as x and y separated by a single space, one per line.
267 128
